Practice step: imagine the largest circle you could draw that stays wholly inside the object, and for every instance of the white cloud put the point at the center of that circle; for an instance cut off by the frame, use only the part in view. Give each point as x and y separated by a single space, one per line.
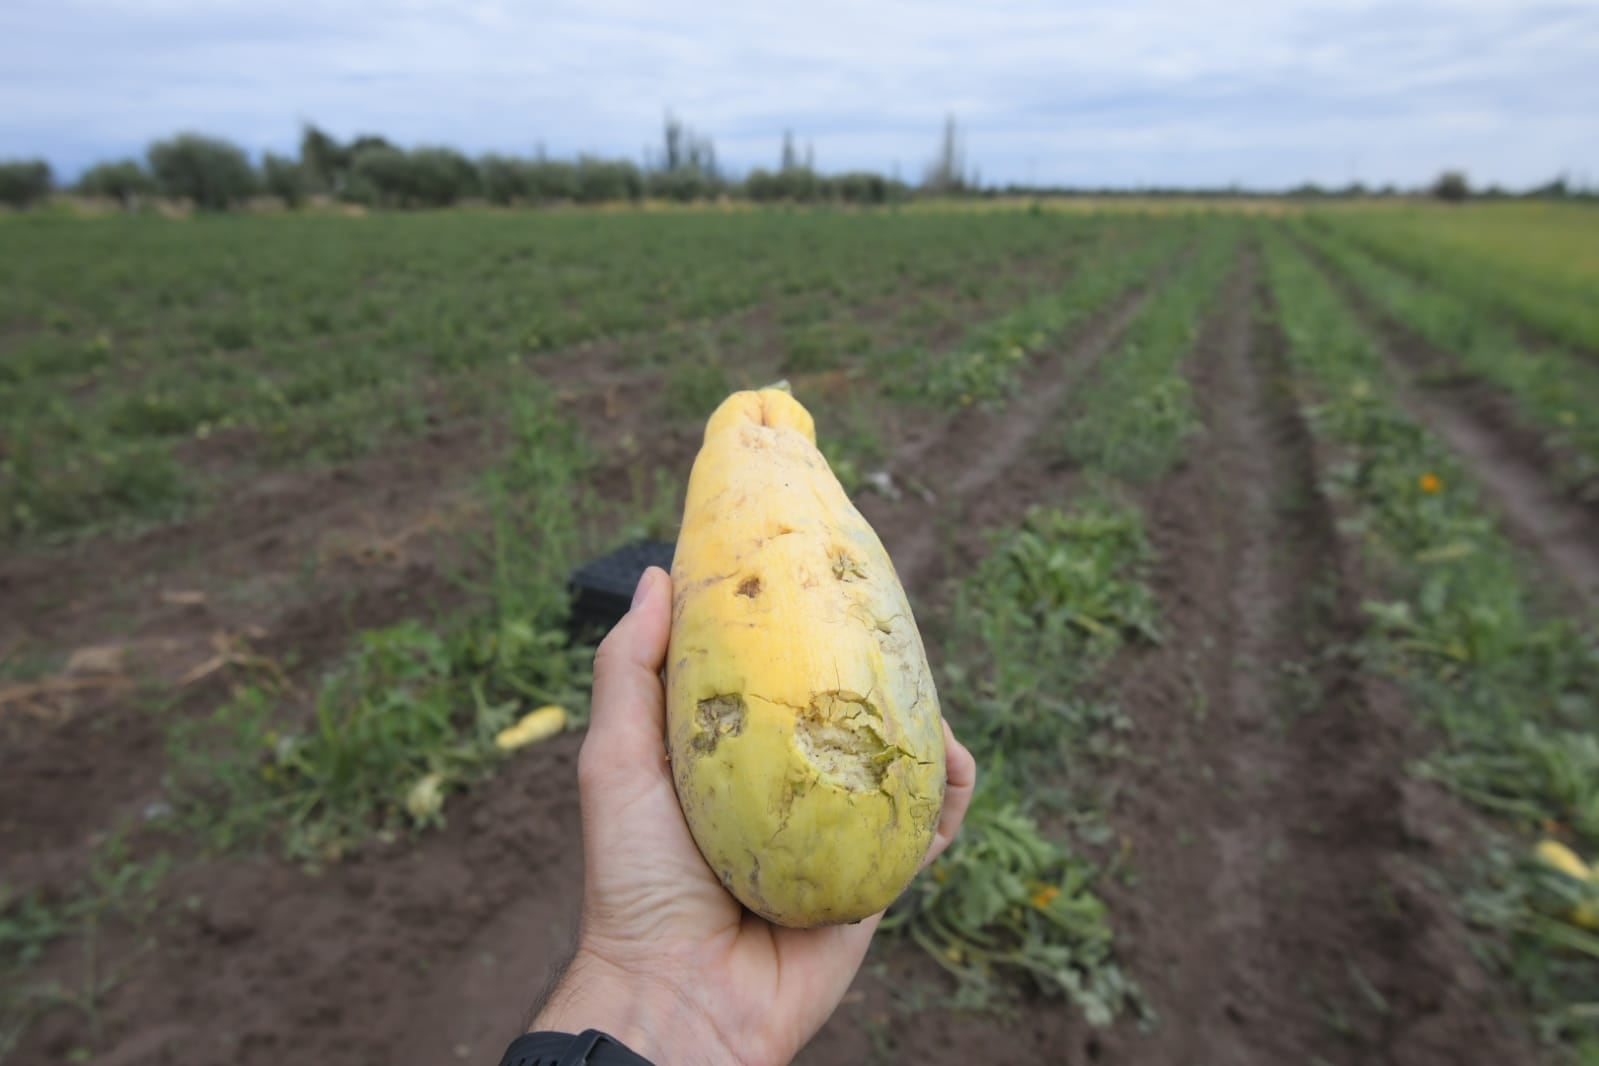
1176 91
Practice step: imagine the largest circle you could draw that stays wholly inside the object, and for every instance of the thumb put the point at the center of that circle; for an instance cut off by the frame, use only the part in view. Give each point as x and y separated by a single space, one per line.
627 717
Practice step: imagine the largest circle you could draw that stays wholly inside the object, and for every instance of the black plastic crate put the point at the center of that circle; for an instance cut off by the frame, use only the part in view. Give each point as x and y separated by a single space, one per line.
602 590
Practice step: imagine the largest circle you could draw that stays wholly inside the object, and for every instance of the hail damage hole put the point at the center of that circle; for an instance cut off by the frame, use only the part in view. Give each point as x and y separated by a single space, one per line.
718 717
750 586
841 734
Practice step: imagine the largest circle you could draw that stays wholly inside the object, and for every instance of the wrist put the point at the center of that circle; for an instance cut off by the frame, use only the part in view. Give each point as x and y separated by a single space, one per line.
654 1018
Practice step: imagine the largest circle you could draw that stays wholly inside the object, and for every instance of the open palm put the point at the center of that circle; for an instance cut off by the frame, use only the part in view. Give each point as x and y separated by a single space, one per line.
668 961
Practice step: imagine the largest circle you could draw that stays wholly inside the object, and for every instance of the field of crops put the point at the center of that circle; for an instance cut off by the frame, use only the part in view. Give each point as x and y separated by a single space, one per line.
1257 555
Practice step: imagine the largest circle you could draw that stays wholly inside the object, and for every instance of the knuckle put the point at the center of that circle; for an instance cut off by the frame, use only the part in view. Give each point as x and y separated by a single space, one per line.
608 655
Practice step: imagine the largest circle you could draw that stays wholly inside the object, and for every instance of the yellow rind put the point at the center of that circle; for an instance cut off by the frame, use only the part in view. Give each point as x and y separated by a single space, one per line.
803 723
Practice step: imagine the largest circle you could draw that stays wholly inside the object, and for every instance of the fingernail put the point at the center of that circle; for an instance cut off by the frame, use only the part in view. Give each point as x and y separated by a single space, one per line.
638 593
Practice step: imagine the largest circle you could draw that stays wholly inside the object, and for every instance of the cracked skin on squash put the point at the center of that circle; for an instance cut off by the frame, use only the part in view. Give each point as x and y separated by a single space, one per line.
803 725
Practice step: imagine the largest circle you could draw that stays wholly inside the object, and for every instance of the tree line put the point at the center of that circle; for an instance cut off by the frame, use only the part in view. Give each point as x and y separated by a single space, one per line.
215 174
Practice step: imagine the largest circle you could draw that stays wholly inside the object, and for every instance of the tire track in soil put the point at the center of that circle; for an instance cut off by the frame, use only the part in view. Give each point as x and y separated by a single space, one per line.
1269 922
1482 425
977 449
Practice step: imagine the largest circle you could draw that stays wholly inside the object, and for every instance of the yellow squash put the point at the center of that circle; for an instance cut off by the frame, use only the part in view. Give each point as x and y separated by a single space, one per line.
531 728
1557 856
803 724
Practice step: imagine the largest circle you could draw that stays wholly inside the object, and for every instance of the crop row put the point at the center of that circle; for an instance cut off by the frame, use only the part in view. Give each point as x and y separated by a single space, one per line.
985 365
1512 691
1557 392
1534 263
1028 635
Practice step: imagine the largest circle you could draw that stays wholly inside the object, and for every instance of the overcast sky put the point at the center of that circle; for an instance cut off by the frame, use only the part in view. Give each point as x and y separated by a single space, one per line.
1110 92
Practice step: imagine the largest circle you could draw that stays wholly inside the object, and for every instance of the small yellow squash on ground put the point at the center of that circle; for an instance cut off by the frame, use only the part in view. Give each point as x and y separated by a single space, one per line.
803 724
531 728
1557 856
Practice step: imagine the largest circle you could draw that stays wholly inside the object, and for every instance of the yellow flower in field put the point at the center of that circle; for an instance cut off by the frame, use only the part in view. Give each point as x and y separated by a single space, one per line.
940 875
966 399
1045 896
953 954
1430 483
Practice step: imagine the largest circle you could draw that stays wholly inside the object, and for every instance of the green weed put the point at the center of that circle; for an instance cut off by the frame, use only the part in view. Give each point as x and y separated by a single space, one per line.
1064 590
657 505
986 366
1132 418
1052 602
118 889
413 713
847 431
1005 903
105 481
694 389
814 349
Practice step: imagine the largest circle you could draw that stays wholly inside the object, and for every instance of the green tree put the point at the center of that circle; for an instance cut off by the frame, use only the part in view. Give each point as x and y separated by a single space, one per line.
946 175
284 178
688 164
552 180
423 177
25 182
863 187
682 185
505 180
124 181
212 173
441 176
761 186
366 142
381 176
325 162
602 180
1451 186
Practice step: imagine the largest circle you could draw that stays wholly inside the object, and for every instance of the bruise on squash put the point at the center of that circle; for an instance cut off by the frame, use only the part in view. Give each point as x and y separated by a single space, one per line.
719 716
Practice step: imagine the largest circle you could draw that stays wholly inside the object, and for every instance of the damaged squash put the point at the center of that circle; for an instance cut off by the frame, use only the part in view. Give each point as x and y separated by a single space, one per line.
803 725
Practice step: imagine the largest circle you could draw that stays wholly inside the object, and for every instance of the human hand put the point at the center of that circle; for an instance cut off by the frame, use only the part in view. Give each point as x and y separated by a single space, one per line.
667 961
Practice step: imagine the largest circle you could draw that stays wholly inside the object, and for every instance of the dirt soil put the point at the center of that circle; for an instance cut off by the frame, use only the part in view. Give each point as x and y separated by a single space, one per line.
1278 916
